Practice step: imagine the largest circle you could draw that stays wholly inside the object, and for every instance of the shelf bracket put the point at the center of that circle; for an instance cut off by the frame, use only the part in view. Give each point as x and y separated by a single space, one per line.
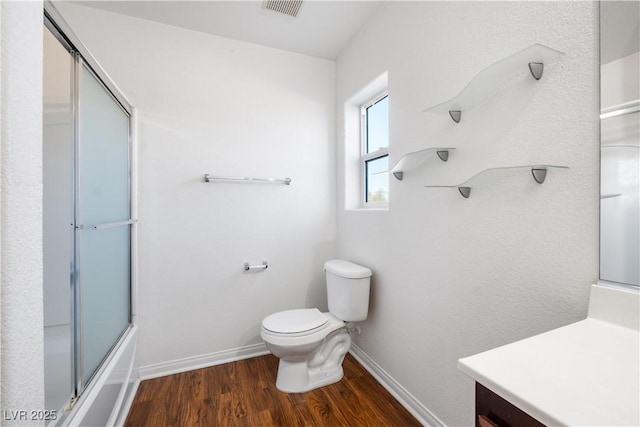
398 175
539 174
465 191
536 68
455 115
443 155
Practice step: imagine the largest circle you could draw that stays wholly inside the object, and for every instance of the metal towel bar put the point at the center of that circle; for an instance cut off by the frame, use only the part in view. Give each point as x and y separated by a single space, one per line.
248 267
106 225
211 178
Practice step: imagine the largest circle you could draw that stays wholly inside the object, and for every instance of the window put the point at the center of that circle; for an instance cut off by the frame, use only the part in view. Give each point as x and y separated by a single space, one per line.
374 157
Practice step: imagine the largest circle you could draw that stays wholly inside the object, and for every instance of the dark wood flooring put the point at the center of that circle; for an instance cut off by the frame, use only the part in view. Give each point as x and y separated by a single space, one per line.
243 393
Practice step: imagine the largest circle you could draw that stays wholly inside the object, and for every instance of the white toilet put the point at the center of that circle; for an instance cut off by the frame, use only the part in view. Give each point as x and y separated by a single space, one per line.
311 345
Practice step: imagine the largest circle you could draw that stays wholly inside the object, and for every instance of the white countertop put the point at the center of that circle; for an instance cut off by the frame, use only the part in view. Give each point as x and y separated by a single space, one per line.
583 374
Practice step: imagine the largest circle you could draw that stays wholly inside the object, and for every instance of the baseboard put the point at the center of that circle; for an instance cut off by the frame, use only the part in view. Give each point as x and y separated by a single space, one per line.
202 361
406 399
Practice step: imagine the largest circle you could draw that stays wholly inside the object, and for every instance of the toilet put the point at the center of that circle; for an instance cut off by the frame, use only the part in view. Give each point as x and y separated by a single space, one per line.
311 345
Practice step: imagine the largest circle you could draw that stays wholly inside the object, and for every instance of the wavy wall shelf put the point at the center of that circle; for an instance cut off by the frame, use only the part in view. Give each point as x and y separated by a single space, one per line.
487 82
416 158
538 172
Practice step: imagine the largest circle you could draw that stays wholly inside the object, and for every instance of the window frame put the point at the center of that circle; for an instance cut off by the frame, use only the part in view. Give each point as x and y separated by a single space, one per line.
367 157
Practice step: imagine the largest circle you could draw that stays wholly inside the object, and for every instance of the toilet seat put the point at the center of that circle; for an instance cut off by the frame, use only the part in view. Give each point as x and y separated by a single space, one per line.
295 322
314 327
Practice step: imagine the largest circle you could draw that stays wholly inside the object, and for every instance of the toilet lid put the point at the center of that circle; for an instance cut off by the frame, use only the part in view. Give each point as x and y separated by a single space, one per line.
295 321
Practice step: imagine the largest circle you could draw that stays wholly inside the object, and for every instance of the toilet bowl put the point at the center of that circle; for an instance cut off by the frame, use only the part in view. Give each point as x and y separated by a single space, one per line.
311 345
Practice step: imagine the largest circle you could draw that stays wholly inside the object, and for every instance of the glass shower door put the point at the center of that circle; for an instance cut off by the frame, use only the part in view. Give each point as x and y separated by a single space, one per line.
87 225
57 220
103 228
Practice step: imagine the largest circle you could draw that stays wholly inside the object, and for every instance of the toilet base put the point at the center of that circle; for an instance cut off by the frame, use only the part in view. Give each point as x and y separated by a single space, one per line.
324 367
293 377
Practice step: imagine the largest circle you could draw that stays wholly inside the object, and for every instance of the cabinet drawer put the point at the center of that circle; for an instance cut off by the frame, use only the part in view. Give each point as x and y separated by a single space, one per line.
494 411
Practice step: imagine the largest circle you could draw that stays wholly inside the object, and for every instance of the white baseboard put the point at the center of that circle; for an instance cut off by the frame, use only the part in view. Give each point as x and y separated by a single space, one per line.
202 361
406 399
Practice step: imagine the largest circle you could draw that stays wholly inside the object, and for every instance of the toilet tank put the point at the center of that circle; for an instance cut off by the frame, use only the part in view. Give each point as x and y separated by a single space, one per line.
347 290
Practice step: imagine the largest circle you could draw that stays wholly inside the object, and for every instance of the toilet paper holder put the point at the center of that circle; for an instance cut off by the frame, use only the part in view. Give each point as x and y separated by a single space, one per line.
260 267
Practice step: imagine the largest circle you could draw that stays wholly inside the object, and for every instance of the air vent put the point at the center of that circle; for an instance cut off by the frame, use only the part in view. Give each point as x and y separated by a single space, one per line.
288 7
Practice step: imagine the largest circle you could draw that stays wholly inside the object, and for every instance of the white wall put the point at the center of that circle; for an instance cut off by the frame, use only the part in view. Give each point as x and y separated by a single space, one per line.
213 105
454 276
21 197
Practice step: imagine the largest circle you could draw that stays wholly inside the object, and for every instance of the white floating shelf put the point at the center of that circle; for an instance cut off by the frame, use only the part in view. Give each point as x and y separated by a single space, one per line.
416 158
485 84
538 172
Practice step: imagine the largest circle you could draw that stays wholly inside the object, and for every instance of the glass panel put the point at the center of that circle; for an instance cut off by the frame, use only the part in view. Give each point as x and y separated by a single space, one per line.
496 76
378 125
377 180
105 277
57 167
619 204
104 154
490 176
620 142
103 254
414 159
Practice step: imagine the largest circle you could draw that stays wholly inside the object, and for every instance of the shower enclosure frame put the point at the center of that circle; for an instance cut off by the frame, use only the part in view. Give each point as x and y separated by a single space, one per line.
82 384
77 289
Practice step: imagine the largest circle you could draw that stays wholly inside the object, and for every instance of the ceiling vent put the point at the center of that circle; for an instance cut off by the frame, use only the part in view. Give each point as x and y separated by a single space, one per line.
288 7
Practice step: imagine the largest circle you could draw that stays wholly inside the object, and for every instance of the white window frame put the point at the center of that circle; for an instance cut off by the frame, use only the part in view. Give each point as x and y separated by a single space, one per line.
365 157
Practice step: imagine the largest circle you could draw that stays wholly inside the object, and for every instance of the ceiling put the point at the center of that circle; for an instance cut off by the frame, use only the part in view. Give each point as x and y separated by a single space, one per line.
321 29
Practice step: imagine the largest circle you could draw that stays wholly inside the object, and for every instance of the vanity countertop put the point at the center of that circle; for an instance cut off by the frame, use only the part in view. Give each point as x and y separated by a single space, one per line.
583 374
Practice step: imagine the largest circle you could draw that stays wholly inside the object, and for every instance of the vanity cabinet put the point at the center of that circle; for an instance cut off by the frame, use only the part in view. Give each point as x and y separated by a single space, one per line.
494 411
566 376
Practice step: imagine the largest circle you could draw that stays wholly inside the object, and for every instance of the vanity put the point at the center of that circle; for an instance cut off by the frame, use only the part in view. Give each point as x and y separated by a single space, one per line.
583 374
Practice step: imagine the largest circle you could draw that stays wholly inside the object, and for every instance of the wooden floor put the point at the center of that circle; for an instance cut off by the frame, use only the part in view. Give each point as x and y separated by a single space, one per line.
243 393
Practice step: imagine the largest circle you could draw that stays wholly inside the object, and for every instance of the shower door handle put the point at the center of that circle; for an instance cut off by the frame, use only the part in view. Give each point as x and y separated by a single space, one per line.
105 225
